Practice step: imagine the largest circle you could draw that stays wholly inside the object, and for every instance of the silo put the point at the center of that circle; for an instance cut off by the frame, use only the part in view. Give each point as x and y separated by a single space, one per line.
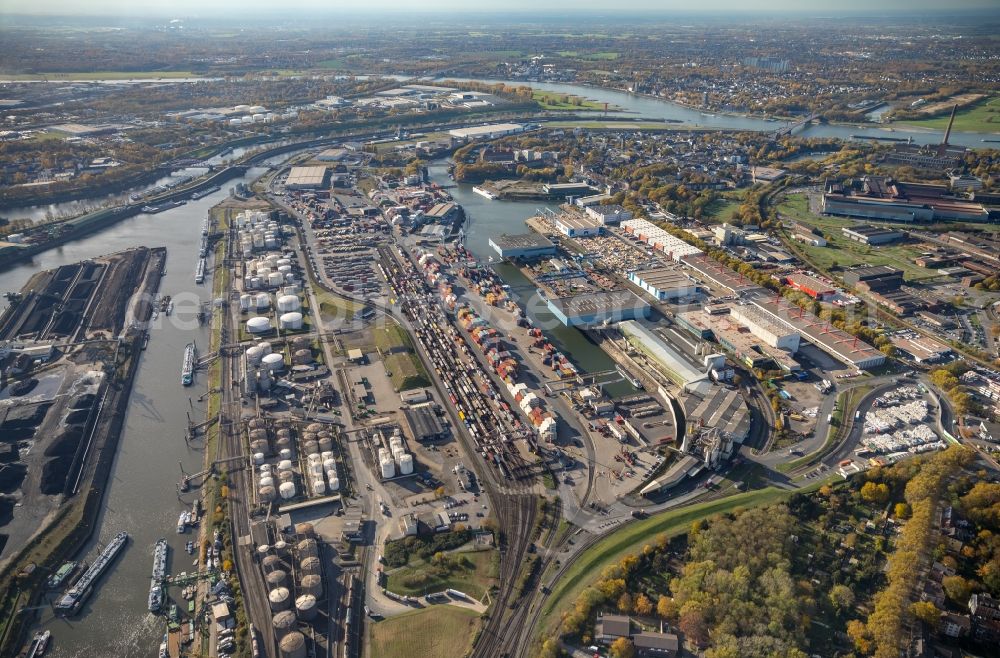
258 324
288 303
310 448
266 494
279 598
319 487
284 623
302 357
293 645
276 579
406 464
287 490
305 607
290 321
271 562
273 362
312 584
307 548
305 530
244 303
309 565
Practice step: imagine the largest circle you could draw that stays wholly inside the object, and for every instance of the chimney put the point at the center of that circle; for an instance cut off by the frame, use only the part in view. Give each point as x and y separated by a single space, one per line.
951 120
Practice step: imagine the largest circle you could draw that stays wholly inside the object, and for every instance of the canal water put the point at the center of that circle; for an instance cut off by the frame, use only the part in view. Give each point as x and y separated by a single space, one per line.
486 218
142 496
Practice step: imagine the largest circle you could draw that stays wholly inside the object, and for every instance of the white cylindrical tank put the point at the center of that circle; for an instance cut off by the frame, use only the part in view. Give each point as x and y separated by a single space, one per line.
275 279
265 469
266 481
319 487
288 303
279 598
284 269
406 464
244 302
258 458
397 453
254 355
293 645
265 347
286 476
388 468
316 470
305 607
273 362
333 480
287 490
329 465
308 548
262 301
267 560
264 380
276 579
285 465
255 283
291 321
258 324
395 443
285 453
314 457
290 279
241 108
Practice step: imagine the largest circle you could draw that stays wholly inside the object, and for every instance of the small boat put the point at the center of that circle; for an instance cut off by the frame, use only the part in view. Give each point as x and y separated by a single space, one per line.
40 643
164 652
182 523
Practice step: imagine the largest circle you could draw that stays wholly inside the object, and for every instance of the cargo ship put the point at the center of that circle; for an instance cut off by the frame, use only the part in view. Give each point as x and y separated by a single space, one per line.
204 193
486 193
156 578
169 205
57 579
74 597
199 274
39 644
187 369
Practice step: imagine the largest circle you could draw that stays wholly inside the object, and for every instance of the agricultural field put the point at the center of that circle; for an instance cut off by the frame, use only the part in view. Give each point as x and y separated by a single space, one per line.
601 56
981 117
100 75
439 631
842 252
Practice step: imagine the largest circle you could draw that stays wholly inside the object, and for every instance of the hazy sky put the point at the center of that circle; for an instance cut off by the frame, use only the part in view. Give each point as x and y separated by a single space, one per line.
237 7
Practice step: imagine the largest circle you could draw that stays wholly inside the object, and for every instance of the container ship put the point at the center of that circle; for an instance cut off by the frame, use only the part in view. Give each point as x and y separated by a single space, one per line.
156 579
74 597
187 369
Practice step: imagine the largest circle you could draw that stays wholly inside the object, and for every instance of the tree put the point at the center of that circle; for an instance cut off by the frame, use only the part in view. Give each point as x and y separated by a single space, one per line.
622 648
875 493
902 511
841 598
692 623
666 607
858 633
957 588
642 606
625 603
926 612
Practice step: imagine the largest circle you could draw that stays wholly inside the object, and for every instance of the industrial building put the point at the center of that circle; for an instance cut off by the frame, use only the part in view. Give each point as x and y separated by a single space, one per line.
675 366
567 189
877 197
720 277
306 178
444 213
609 214
487 132
524 246
424 424
573 225
659 239
742 343
663 283
810 285
766 326
874 278
920 348
722 409
766 174
872 234
598 308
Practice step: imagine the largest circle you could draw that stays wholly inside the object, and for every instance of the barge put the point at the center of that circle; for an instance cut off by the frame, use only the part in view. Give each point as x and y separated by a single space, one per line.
187 369
75 596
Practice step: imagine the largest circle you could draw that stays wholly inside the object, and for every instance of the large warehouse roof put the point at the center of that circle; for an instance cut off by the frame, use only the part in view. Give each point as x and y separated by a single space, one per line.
677 367
306 177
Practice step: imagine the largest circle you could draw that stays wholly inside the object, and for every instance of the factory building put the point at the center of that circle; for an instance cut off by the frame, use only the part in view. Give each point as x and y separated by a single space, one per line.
744 344
874 278
609 214
664 284
306 178
598 308
810 285
577 226
724 280
766 327
424 424
487 132
657 238
872 234
878 197
920 348
525 246
677 368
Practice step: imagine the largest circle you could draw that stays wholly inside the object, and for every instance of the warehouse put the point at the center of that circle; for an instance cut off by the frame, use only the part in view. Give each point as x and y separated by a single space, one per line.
766 327
525 246
872 234
663 283
306 178
810 285
487 132
724 280
609 214
920 348
876 278
744 345
444 213
577 226
598 308
567 189
677 368
659 239
424 424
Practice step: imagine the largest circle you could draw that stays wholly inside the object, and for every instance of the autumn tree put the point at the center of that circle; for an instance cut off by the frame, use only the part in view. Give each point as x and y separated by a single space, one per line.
666 608
642 606
841 598
622 648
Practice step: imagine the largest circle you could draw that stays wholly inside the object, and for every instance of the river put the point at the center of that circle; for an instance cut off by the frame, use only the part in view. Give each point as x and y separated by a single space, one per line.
142 492
657 108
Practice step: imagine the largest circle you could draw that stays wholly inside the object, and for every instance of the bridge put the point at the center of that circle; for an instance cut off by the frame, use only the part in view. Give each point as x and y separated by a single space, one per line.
787 130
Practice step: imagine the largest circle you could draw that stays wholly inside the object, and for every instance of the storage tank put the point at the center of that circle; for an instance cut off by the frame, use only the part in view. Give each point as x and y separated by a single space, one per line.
312 584
273 362
258 458
254 354
302 357
307 548
305 530
284 623
265 346
315 427
309 565
406 464
256 433
395 443
284 269
319 486
279 598
281 548
285 465
290 279
329 465
262 301
310 448
265 469
282 262
316 470
266 494
258 325
275 279
292 289
255 109
331 477
288 303
305 607
286 476
291 321
271 562
287 490
293 645
283 442
263 551
261 446
276 579
266 481
388 468
285 453
244 303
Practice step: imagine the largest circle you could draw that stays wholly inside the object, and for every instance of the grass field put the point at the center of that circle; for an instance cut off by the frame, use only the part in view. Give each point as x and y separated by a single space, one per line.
602 56
981 117
550 100
721 210
843 252
474 580
630 539
399 358
437 631
101 75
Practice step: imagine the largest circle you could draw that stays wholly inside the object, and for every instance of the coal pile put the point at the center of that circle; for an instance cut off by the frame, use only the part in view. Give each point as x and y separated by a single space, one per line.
83 401
77 416
54 474
29 415
66 442
11 477
23 387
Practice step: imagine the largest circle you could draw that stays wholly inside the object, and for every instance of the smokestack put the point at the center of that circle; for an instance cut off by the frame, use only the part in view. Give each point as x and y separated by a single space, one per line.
947 133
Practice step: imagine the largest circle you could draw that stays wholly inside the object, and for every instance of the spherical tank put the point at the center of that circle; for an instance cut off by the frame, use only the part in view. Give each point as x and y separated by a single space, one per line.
305 607
287 490
291 321
284 623
293 645
288 303
258 324
312 584
280 598
276 579
309 565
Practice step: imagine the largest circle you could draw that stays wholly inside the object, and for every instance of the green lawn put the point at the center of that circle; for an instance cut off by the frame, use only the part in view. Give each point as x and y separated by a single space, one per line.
442 630
399 358
551 100
474 579
980 117
721 210
630 539
843 252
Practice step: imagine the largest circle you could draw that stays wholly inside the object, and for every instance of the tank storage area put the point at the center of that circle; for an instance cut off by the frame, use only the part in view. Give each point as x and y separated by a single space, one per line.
389 453
294 462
